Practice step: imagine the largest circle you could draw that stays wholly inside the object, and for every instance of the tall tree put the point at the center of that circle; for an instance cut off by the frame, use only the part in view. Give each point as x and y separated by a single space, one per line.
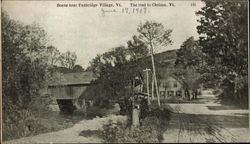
223 38
111 71
189 54
154 35
25 70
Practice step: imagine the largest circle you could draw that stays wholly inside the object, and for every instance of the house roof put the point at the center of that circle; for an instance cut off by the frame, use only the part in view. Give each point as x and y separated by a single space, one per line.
76 78
174 77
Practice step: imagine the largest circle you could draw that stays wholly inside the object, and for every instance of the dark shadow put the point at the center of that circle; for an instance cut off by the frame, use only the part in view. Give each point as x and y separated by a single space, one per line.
227 107
91 133
201 121
180 101
66 106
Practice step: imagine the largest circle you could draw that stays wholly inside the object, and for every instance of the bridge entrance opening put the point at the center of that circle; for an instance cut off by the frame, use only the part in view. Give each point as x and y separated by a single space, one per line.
66 105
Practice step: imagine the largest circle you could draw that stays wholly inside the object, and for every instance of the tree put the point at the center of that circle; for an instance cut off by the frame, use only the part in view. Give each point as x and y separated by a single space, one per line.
53 55
223 38
188 63
68 59
25 70
109 67
117 67
78 68
137 48
154 35
189 54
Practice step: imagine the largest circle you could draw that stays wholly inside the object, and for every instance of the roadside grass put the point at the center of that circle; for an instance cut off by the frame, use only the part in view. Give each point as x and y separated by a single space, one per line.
50 121
151 128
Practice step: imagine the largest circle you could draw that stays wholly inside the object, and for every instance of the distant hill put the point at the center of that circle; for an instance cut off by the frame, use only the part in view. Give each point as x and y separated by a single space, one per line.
166 58
163 59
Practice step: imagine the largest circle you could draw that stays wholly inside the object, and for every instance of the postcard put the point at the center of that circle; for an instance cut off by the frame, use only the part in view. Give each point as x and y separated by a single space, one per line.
123 71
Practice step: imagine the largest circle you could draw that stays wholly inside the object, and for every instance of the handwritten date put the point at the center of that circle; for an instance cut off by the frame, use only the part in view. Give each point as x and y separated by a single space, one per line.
135 10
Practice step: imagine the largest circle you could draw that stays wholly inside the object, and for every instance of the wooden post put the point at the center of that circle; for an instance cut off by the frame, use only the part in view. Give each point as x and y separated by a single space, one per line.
135 114
152 88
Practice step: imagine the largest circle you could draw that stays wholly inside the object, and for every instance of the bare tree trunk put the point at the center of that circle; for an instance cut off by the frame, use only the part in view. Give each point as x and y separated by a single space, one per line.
154 74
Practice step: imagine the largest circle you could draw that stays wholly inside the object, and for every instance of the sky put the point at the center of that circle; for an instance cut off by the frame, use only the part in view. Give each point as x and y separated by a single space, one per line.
87 32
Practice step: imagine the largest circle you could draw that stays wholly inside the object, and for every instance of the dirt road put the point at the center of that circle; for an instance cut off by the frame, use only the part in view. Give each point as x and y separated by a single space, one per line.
71 135
206 120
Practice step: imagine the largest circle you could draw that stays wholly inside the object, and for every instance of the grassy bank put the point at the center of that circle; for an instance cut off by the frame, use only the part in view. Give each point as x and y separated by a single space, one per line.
46 121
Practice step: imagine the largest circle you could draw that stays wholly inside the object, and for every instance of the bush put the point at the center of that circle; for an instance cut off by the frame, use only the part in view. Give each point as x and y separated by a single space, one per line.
150 131
163 114
18 124
93 112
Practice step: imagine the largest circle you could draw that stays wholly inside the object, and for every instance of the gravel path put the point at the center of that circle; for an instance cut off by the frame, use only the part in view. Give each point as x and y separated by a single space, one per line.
71 135
200 122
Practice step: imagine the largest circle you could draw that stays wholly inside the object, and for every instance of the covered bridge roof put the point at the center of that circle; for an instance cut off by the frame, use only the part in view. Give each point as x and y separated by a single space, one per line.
78 78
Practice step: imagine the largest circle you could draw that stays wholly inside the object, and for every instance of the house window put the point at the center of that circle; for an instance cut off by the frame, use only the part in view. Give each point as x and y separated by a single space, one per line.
175 84
166 84
170 93
162 93
178 93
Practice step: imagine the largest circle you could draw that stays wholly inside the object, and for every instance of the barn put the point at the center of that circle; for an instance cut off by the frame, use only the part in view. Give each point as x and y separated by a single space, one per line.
68 87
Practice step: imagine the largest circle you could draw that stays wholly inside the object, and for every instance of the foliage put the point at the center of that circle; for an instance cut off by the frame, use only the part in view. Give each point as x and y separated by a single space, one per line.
68 59
223 38
78 68
24 66
25 70
114 70
150 131
188 63
117 67
53 55
189 54
154 35
137 48
223 29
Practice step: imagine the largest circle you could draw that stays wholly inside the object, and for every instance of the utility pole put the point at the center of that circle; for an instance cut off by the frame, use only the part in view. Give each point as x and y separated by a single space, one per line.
147 70
154 74
152 91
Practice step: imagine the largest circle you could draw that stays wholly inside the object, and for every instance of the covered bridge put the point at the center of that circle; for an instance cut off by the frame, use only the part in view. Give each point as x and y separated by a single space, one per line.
68 87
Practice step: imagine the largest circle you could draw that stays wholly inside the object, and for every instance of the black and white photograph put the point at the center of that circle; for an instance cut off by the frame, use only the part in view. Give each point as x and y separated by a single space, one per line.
123 71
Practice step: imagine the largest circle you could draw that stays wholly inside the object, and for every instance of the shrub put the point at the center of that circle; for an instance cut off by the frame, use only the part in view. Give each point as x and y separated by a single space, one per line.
18 124
150 131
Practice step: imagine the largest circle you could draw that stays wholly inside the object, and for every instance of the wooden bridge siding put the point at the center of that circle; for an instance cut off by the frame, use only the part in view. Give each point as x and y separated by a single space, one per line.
67 92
